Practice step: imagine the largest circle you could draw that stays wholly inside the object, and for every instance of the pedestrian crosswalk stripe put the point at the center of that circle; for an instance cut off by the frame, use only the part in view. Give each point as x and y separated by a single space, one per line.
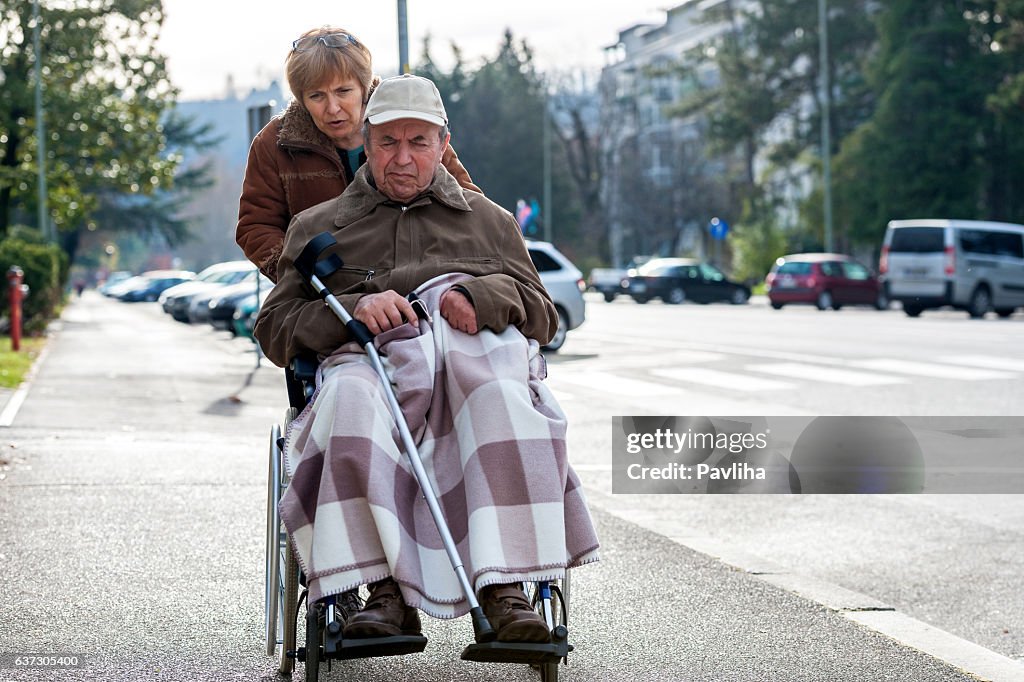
719 379
630 359
616 385
930 369
987 361
796 370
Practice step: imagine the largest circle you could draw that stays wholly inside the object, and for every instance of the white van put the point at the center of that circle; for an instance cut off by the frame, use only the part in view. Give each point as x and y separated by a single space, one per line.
971 265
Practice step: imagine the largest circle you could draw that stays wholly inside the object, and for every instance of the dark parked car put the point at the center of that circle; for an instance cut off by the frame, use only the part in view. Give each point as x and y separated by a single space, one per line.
675 280
176 300
827 280
223 304
149 285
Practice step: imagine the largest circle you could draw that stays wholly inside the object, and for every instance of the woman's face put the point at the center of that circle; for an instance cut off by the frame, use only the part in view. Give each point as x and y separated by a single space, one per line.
337 110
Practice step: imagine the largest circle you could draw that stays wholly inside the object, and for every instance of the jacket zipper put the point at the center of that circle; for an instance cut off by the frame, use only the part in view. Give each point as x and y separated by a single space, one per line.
365 271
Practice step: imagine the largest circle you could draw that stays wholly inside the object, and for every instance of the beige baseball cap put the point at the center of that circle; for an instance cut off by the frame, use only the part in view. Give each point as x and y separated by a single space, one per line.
406 96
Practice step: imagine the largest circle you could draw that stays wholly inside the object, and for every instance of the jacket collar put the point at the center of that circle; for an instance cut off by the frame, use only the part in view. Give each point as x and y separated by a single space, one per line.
361 197
298 129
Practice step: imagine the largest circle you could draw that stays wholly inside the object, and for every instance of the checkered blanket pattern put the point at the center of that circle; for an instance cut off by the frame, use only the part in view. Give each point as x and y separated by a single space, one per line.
492 440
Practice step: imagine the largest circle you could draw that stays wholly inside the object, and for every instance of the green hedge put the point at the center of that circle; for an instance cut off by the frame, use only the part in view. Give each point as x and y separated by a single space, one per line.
44 267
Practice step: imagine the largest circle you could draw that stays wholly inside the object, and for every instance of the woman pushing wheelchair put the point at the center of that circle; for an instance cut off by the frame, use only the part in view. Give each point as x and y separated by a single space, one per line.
468 378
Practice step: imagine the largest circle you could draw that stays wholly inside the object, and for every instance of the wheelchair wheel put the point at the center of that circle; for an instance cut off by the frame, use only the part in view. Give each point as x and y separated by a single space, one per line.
313 643
289 608
272 591
282 573
555 611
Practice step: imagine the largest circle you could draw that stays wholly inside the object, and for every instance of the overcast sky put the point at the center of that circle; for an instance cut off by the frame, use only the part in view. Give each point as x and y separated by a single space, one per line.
205 40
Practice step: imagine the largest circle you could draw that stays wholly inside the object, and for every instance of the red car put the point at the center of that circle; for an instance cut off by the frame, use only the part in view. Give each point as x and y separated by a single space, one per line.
828 280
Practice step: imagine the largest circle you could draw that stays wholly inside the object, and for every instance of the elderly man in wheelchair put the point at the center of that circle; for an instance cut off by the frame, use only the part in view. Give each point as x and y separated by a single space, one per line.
442 280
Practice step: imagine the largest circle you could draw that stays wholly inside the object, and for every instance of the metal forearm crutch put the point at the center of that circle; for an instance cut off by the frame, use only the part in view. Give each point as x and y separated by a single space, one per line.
315 270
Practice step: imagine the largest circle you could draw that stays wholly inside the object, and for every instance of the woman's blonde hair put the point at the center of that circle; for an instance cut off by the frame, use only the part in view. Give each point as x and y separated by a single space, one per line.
315 63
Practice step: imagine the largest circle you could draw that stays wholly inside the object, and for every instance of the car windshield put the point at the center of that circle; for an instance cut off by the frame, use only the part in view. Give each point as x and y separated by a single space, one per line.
917 240
655 268
711 272
794 268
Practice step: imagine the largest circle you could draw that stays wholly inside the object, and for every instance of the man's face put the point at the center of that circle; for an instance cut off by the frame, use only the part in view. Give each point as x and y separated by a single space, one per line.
403 156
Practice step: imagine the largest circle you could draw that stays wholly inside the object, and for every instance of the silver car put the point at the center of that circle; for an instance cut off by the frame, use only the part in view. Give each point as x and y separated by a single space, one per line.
970 265
564 283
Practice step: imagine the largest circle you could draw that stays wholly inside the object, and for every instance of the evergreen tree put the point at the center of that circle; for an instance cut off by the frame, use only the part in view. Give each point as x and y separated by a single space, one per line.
1002 36
921 153
106 99
496 114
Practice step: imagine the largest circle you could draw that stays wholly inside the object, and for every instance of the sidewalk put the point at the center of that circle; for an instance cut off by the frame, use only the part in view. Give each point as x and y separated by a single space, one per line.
135 529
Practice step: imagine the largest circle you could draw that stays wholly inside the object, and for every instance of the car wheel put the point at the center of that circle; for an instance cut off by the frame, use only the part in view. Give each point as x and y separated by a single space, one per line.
641 299
1004 312
558 340
912 310
739 297
980 303
882 302
824 301
609 297
777 306
676 296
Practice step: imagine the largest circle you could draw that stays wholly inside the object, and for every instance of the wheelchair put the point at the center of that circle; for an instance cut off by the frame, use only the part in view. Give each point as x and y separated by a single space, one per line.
286 591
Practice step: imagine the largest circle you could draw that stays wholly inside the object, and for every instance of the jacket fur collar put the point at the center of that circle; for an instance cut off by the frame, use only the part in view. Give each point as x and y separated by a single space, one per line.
362 195
298 129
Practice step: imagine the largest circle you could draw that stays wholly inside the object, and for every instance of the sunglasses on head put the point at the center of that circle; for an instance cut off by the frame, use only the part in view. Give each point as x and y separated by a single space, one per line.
329 40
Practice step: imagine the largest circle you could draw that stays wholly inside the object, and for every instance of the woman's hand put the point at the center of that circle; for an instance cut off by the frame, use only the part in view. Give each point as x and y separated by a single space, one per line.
459 311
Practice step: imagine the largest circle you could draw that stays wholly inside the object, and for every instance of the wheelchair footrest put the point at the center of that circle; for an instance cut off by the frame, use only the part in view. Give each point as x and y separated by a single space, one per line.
517 652
399 645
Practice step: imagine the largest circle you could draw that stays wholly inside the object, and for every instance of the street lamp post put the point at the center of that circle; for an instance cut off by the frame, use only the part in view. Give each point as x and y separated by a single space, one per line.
44 223
403 38
826 132
548 211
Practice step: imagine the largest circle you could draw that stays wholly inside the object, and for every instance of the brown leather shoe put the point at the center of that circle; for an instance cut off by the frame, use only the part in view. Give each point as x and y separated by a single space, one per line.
509 612
384 615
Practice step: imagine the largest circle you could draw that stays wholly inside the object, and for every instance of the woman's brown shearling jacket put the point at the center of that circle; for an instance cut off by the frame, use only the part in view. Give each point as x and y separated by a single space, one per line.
293 166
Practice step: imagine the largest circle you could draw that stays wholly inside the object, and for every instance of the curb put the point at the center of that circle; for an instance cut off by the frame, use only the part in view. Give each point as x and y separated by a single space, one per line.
968 657
15 400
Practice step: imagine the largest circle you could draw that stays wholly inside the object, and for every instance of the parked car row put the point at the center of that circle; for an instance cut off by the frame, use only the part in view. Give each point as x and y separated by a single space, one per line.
216 295
971 265
219 295
177 300
146 287
225 294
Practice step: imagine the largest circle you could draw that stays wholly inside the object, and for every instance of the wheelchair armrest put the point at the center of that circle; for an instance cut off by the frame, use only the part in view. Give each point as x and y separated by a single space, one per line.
300 379
304 367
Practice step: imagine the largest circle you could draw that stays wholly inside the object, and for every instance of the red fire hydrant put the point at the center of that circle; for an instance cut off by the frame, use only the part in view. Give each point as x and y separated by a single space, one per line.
16 292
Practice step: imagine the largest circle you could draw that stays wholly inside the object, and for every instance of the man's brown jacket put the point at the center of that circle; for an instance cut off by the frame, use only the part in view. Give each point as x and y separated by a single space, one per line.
387 245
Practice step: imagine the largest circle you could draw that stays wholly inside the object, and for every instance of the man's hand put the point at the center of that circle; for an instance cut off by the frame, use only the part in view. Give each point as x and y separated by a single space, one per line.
459 311
384 311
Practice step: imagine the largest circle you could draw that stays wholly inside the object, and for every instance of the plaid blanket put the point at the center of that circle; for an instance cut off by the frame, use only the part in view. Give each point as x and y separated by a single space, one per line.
491 438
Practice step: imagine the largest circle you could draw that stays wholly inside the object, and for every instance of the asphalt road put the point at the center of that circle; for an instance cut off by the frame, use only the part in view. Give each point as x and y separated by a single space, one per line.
953 561
132 518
